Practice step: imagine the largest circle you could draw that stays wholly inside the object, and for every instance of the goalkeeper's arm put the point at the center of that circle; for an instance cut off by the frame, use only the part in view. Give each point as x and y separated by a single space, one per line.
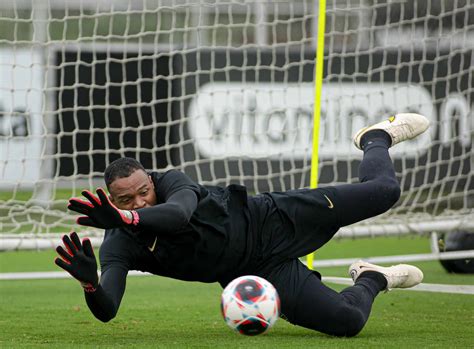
105 301
78 259
165 218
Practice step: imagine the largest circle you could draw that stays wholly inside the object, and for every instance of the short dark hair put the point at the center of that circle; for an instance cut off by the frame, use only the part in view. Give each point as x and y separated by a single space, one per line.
121 168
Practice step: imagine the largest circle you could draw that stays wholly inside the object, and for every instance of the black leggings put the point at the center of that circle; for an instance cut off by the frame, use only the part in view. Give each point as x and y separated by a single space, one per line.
306 220
377 191
307 302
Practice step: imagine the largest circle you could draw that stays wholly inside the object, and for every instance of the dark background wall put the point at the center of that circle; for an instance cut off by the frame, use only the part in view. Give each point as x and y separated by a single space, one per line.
102 99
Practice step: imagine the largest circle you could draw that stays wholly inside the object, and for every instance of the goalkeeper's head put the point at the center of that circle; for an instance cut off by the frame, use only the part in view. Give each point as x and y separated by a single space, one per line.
129 185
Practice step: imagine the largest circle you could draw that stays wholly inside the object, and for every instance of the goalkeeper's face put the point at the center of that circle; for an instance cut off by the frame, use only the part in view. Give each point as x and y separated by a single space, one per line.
133 192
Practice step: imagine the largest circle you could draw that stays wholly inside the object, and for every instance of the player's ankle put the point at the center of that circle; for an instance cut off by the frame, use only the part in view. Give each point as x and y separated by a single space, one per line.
379 278
376 136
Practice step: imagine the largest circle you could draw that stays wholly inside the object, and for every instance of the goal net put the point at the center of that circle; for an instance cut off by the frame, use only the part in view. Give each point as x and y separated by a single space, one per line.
224 91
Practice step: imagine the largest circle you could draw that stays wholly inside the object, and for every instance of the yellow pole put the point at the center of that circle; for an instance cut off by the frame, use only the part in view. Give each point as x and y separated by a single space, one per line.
318 85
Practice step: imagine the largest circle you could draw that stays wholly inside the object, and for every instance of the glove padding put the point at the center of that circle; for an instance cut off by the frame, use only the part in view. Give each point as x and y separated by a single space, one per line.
79 261
101 212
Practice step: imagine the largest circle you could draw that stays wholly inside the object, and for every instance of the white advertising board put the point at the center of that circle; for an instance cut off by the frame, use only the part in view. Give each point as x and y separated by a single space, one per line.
276 120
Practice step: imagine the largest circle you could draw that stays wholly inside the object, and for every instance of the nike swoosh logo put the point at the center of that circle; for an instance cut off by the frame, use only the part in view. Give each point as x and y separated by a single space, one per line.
152 248
331 205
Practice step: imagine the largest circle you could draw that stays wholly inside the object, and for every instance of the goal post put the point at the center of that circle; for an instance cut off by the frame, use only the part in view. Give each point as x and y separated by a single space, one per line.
225 91
318 85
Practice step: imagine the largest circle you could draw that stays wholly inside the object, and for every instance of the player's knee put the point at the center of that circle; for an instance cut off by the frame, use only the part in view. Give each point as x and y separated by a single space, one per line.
354 329
388 191
352 321
392 190
346 321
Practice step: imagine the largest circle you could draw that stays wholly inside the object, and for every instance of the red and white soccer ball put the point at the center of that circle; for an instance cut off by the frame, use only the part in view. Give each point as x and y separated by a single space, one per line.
250 305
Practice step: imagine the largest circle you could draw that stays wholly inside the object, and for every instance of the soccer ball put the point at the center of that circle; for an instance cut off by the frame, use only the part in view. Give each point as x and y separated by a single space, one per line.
250 305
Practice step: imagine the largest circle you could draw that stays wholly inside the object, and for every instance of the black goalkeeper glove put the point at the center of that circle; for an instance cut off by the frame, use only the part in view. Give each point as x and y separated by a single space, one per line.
101 212
79 261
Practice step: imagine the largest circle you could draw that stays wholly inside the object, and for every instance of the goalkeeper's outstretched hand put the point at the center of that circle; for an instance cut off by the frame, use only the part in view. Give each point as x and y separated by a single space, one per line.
100 212
79 261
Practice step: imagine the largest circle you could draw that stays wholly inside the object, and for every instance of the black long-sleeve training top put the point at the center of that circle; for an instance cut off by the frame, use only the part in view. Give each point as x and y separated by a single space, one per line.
194 233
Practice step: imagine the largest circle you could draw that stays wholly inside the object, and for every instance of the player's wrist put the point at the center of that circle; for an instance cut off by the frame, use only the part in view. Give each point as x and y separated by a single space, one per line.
130 217
89 287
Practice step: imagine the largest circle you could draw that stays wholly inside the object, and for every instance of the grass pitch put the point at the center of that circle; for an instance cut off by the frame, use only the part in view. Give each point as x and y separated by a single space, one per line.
163 313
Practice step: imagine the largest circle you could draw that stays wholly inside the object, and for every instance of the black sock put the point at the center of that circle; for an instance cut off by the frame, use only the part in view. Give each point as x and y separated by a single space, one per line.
376 135
379 279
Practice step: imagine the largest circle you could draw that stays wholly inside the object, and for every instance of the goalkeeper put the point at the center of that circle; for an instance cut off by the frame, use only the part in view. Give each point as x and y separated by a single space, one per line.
166 224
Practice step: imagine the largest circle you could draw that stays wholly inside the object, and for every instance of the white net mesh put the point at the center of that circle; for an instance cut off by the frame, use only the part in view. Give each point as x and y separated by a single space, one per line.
224 90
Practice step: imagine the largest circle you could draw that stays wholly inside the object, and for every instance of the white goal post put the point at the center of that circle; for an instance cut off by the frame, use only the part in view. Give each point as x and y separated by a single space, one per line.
224 91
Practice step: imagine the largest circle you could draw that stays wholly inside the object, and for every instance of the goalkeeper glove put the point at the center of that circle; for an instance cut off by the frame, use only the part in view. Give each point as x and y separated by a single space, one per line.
101 212
79 261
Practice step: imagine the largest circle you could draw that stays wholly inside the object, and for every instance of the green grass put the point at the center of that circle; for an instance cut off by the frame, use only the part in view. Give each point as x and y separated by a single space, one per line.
25 195
163 313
